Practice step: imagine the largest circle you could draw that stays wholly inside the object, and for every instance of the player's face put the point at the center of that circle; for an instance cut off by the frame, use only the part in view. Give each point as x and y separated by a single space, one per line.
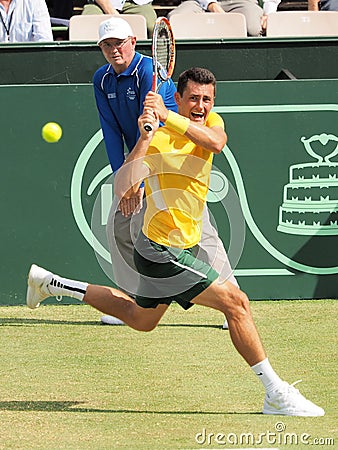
119 52
196 101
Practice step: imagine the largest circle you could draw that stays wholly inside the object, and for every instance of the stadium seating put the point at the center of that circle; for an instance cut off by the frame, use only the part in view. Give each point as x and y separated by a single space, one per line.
302 23
85 27
293 5
163 7
211 25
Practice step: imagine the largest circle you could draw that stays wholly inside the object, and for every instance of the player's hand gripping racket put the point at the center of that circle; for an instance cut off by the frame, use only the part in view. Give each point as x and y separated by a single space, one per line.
163 54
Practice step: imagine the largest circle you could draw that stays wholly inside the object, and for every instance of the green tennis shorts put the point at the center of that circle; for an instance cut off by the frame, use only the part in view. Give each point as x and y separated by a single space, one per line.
169 274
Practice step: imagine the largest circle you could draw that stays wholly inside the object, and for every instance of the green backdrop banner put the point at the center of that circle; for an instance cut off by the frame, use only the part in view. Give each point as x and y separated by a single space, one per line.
273 196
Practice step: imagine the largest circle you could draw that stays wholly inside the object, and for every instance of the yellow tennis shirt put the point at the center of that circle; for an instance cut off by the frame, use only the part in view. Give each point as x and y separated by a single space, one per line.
177 187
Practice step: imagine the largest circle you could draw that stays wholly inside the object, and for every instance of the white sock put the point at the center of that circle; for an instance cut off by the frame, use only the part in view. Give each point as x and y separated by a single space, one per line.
267 375
63 286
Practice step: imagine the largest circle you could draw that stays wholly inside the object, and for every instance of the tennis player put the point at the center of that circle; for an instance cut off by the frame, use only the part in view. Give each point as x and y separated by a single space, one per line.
175 162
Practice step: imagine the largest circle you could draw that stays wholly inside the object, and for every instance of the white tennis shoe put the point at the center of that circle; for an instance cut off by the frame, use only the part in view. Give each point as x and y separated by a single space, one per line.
225 325
286 400
111 320
37 291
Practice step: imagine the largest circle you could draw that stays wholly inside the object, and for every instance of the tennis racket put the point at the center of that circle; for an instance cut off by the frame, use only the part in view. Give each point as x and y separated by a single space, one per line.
163 55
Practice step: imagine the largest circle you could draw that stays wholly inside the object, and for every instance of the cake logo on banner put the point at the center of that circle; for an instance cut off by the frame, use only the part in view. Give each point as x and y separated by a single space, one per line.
310 199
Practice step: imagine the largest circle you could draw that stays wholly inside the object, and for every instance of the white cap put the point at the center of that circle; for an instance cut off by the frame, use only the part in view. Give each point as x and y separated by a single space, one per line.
114 28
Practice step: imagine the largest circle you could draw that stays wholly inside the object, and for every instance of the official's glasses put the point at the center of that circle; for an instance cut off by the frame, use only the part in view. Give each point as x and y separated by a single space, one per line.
115 45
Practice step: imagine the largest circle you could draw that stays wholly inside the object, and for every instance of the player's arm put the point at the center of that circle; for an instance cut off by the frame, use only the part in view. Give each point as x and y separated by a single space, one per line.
130 176
211 138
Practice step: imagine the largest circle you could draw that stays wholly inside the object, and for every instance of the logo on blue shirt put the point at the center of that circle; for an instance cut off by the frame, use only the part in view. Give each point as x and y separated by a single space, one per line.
131 94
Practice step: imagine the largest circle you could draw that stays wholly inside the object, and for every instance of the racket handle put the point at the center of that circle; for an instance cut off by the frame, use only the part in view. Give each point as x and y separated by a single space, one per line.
148 127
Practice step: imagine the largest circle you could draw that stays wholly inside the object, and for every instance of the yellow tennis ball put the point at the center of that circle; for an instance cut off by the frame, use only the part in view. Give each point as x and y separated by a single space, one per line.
51 132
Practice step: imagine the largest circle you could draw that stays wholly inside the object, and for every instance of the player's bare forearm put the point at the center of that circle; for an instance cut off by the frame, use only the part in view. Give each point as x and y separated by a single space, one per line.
212 139
130 176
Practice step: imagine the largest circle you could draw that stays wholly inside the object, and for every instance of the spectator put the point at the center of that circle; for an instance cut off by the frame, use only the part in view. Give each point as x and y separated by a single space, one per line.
25 21
249 8
270 6
142 7
323 5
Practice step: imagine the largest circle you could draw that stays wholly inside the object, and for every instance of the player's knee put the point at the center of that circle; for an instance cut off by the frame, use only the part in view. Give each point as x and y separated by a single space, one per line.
236 304
145 327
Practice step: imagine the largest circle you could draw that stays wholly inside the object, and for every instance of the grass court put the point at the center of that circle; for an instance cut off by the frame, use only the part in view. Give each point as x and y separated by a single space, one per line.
68 382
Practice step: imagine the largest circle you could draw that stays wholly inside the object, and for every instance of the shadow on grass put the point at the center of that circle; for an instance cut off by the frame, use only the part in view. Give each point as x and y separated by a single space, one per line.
5 321
67 406
20 322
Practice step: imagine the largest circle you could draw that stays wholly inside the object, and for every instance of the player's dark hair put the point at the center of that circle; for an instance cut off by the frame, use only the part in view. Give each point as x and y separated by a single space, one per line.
198 75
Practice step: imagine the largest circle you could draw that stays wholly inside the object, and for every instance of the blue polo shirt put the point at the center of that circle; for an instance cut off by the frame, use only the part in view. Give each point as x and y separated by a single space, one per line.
119 100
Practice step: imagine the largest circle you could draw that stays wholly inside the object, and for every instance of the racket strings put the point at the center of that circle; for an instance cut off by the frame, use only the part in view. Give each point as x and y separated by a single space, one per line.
163 51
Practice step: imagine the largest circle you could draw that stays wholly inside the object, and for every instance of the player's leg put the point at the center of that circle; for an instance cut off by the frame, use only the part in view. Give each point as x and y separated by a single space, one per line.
281 398
187 7
43 284
147 11
250 9
234 304
115 303
181 268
